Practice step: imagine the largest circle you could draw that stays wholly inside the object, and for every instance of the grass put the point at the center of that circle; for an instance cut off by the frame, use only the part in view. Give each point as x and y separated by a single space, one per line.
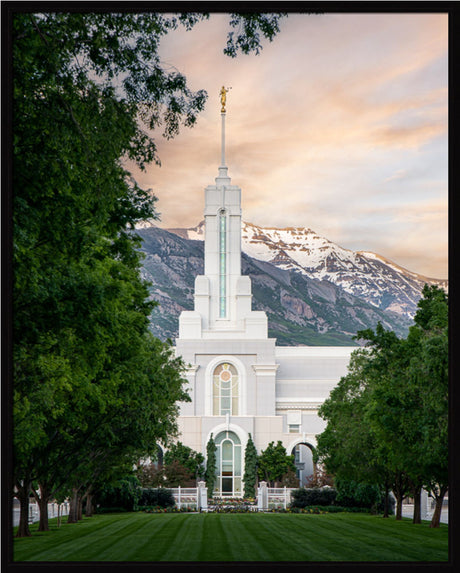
235 537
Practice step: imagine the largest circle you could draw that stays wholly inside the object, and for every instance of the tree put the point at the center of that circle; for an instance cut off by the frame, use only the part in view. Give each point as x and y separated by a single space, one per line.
250 469
273 463
429 372
349 448
150 475
187 457
388 418
210 473
88 89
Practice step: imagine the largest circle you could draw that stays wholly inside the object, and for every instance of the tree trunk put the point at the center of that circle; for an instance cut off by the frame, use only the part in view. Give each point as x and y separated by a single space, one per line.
399 499
89 505
42 501
399 490
79 507
23 496
59 515
417 517
386 506
436 519
43 505
72 517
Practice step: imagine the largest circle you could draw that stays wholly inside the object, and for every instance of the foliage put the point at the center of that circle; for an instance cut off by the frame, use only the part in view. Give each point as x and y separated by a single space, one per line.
273 463
161 497
303 497
210 473
92 388
387 419
187 457
289 479
319 478
150 475
250 469
124 494
176 474
354 494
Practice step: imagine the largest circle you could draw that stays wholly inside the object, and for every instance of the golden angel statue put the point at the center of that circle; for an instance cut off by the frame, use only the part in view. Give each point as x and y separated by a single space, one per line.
223 97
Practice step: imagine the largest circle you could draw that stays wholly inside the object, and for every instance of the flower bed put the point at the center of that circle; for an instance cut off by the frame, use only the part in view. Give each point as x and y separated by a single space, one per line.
231 505
157 509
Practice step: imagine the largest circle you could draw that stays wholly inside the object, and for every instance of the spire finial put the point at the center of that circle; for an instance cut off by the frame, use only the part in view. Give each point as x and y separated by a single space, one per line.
223 97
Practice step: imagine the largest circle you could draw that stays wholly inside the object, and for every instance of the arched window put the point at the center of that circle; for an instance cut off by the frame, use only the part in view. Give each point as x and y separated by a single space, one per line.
225 390
228 463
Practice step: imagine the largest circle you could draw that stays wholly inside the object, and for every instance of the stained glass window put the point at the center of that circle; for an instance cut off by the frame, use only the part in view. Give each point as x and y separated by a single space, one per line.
225 390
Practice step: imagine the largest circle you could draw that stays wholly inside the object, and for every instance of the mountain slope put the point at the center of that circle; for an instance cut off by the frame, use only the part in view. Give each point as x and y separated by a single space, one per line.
300 310
363 274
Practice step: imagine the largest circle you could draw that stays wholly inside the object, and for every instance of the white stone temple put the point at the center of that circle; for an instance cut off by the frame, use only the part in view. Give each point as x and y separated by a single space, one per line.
239 381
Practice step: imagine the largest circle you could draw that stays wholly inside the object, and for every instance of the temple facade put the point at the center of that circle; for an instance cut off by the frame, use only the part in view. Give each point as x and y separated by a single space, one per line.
239 381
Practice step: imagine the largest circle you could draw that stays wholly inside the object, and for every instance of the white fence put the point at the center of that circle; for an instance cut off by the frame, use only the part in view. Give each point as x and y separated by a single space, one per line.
191 497
34 511
273 497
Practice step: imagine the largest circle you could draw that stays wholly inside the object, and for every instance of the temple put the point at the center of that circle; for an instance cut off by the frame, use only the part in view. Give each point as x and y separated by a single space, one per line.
239 381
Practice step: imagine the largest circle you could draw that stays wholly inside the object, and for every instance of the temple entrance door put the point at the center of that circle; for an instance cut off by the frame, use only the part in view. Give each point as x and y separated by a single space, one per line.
228 467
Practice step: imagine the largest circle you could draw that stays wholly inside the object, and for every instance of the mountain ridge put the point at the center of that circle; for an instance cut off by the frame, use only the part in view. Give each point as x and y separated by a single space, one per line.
301 310
367 275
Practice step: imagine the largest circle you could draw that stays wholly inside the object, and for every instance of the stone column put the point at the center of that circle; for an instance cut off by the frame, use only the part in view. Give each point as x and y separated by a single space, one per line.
425 505
202 496
262 496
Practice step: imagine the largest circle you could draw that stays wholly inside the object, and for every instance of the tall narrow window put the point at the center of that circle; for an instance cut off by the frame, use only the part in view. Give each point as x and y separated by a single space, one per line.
228 464
225 390
222 264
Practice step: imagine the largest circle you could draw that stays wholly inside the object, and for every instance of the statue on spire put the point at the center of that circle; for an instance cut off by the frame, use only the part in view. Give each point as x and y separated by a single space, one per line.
223 97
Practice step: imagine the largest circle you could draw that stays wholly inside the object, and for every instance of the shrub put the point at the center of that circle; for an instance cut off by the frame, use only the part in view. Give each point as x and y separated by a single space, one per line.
124 494
314 496
159 497
328 509
355 494
110 510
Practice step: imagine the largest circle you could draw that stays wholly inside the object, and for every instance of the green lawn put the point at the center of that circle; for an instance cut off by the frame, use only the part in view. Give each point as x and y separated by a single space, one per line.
235 537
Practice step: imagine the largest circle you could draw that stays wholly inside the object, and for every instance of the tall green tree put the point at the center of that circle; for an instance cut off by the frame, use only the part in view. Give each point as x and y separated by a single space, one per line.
250 469
273 463
347 447
211 461
89 89
388 418
429 371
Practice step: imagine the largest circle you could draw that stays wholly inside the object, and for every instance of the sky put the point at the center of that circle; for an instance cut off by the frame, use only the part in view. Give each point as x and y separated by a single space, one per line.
339 125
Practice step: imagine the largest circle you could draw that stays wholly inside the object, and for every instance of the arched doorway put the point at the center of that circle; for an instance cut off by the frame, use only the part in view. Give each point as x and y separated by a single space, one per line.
303 460
228 464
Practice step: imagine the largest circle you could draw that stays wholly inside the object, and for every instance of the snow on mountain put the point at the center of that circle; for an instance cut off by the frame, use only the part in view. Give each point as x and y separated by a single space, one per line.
364 274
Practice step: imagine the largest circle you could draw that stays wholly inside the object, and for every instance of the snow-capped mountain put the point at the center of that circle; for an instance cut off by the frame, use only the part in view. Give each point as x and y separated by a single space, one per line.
363 274
300 310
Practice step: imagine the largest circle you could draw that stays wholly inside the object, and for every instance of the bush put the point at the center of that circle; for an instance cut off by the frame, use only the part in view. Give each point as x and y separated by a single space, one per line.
355 494
328 509
313 496
158 497
110 510
124 494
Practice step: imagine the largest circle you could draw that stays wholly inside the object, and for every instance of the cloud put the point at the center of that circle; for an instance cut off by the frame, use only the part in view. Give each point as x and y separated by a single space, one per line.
339 125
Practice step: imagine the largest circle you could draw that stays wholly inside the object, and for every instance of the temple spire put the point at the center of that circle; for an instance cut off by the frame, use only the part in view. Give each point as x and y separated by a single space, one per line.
223 101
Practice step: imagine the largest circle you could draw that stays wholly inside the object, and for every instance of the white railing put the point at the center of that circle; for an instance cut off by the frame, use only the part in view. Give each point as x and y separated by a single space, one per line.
273 497
34 511
185 496
191 497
